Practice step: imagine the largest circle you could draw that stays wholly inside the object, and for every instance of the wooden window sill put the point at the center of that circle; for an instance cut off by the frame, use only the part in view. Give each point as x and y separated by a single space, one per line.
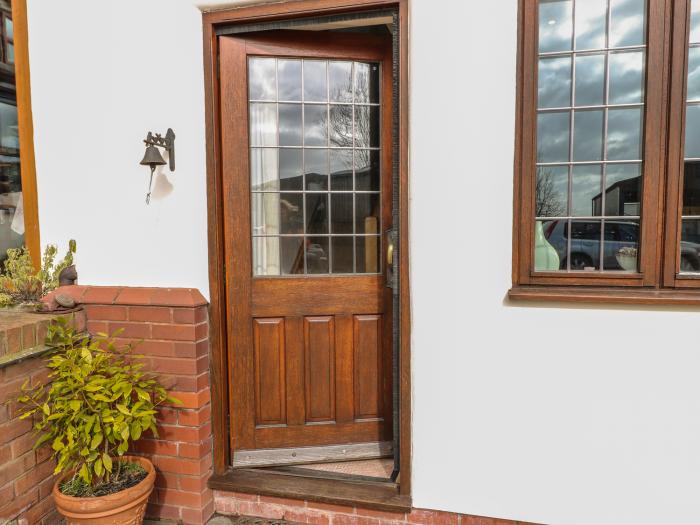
376 495
580 294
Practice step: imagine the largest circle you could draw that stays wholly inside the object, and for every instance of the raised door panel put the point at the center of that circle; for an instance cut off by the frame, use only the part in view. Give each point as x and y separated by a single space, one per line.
319 350
367 366
270 377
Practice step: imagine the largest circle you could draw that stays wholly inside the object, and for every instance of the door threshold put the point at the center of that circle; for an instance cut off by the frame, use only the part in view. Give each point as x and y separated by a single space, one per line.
320 487
300 455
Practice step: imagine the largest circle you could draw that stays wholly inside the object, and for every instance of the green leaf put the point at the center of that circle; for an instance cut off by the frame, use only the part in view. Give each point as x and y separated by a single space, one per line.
135 430
98 468
123 409
107 462
85 473
96 440
75 405
45 409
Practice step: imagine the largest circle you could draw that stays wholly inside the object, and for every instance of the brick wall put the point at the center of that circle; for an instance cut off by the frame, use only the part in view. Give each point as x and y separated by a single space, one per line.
26 475
171 329
233 503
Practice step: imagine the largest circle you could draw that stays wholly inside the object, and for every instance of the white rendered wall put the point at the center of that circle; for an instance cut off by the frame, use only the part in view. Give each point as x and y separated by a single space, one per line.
550 414
105 73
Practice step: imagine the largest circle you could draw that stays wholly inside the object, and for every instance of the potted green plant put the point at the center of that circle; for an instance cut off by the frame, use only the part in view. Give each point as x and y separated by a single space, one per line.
98 401
22 286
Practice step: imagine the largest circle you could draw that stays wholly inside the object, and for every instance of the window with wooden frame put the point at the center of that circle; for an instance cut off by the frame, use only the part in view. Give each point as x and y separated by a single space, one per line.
19 223
607 173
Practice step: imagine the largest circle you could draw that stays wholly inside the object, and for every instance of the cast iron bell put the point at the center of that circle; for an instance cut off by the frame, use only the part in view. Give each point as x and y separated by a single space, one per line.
152 158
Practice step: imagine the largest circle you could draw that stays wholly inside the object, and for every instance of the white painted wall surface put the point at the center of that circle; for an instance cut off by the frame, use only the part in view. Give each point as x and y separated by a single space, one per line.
103 75
550 414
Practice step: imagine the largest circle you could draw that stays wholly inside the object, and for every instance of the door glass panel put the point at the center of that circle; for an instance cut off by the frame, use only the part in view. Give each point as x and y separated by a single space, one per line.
291 169
262 83
340 78
290 124
314 166
289 80
590 80
315 81
588 184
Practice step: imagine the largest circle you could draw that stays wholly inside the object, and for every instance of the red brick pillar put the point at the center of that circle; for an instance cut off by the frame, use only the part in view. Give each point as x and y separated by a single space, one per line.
171 328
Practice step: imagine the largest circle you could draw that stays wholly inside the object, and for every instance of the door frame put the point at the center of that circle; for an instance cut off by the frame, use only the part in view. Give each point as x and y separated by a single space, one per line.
215 219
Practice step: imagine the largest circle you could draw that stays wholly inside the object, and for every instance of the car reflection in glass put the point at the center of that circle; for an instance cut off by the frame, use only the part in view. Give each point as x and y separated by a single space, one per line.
585 244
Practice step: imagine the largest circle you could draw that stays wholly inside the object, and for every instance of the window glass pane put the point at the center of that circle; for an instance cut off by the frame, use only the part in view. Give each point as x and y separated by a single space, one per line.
262 80
585 245
340 76
343 252
555 25
315 81
591 22
10 53
292 255
291 213
340 125
691 188
694 73
315 125
289 79
316 213
626 77
621 245
366 170
590 80
623 189
551 191
316 169
627 22
554 82
266 213
263 169
290 124
625 134
366 126
263 124
9 28
367 255
694 21
367 213
341 169
588 135
586 181
366 83
266 256
690 246
553 137
317 255
342 213
291 168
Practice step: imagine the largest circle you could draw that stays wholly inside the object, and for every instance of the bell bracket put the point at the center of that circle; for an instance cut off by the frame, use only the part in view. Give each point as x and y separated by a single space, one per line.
167 142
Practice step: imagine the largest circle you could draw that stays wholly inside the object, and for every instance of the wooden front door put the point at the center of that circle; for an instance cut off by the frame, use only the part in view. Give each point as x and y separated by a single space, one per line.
306 162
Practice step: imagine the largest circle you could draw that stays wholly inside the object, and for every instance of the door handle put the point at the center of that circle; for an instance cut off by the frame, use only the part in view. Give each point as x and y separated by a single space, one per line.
390 254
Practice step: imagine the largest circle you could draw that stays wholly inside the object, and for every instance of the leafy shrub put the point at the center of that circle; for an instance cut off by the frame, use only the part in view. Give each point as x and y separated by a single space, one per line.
98 402
22 283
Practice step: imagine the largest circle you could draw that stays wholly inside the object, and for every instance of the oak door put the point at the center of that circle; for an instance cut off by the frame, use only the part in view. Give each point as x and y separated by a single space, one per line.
306 163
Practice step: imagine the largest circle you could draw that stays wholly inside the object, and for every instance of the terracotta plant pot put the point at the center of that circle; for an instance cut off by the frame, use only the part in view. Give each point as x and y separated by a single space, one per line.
126 507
